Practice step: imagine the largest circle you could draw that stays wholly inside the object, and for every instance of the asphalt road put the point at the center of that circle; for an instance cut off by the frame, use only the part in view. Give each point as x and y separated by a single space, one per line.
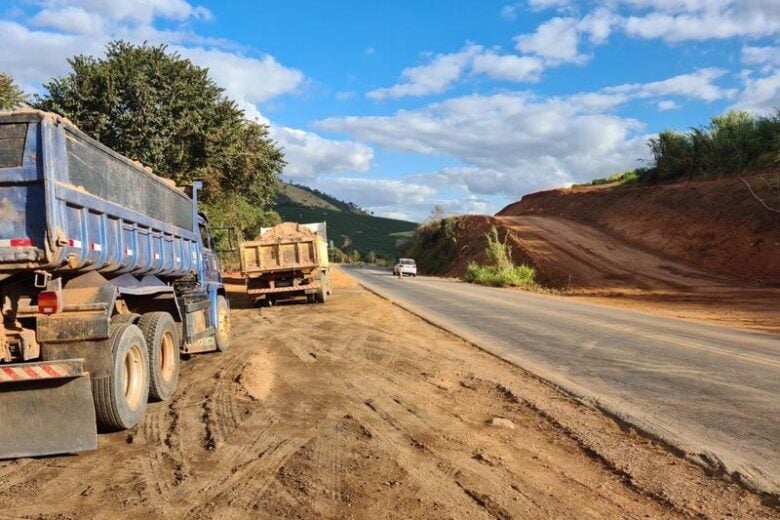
711 391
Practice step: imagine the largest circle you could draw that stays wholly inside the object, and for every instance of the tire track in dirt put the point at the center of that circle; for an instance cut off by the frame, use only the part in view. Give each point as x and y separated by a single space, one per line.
368 413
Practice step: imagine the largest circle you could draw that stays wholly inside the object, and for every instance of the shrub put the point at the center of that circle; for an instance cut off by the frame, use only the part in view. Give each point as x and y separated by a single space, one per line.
434 245
513 276
501 270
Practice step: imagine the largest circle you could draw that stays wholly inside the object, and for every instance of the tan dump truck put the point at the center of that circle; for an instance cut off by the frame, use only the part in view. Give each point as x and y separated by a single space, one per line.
286 261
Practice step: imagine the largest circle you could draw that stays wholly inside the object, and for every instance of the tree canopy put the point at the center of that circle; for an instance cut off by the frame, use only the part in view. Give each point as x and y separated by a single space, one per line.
159 108
11 96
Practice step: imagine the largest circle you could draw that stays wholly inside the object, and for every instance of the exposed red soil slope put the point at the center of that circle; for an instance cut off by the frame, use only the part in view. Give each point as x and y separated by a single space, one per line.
699 250
715 226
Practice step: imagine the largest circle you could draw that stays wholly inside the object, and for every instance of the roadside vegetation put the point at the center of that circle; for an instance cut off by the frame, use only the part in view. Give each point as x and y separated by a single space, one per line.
730 145
11 96
158 108
433 245
500 270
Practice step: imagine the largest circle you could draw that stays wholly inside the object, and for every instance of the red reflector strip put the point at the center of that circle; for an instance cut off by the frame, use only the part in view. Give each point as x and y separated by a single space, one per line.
37 371
16 242
74 243
10 374
129 252
96 247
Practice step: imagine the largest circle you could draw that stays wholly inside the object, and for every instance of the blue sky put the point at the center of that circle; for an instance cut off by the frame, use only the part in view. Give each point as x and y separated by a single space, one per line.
400 106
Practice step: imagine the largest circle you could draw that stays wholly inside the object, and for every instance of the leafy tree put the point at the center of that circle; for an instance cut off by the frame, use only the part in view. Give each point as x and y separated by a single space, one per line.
162 110
11 96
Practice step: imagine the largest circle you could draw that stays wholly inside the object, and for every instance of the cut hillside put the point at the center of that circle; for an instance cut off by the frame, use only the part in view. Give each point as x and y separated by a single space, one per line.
349 226
716 226
698 250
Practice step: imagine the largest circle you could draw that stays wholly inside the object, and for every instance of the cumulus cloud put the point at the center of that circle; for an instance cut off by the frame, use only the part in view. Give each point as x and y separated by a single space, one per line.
556 40
67 28
433 78
699 84
667 104
144 11
509 12
378 193
309 155
246 79
681 20
444 70
767 56
510 142
760 95
508 67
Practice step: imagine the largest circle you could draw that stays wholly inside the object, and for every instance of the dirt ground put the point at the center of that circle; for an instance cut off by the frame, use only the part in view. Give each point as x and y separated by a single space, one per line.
358 409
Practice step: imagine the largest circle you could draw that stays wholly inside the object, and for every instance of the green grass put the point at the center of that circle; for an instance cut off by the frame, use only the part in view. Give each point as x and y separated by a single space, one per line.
292 195
500 271
511 276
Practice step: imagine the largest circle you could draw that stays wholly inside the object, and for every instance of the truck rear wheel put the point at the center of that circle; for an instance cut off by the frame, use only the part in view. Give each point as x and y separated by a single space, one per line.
162 341
120 399
223 324
323 291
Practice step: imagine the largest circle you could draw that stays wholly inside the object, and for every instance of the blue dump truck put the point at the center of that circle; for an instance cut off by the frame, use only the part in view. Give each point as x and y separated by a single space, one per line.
107 277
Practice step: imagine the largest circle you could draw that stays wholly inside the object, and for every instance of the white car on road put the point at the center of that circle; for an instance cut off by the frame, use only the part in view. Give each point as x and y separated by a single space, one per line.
405 266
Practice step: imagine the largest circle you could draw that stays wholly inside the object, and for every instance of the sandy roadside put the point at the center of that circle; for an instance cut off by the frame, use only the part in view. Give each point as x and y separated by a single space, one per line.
358 409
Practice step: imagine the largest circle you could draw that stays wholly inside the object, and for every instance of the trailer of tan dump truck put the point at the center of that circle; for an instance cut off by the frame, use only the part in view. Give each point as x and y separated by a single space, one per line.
286 261
107 274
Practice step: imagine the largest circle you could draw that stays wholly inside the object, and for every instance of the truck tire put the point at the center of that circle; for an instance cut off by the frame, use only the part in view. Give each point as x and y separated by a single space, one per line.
131 317
162 342
322 291
222 335
120 399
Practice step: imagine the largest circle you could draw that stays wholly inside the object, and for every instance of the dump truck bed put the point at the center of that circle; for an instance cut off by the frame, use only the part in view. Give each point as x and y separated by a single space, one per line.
288 258
63 206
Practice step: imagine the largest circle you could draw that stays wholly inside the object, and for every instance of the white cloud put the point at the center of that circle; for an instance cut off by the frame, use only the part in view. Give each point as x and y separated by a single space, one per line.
309 155
547 4
444 70
599 25
510 143
246 79
509 12
377 193
142 11
680 20
38 55
556 40
768 56
667 104
696 85
760 95
508 67
85 26
433 78
70 19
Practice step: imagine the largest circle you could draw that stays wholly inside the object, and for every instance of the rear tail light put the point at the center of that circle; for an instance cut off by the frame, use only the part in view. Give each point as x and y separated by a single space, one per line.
49 302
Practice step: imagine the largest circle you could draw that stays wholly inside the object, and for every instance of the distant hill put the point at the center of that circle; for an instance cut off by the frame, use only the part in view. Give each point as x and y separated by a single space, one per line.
349 226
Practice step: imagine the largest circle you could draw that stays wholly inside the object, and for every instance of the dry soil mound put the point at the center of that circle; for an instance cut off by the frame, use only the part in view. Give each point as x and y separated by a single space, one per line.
715 226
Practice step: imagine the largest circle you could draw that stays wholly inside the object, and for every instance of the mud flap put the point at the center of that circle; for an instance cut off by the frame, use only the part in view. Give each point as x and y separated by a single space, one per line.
47 417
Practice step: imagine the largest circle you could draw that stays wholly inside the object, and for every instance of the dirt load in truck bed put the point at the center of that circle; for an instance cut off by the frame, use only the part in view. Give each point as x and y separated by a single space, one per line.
359 409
